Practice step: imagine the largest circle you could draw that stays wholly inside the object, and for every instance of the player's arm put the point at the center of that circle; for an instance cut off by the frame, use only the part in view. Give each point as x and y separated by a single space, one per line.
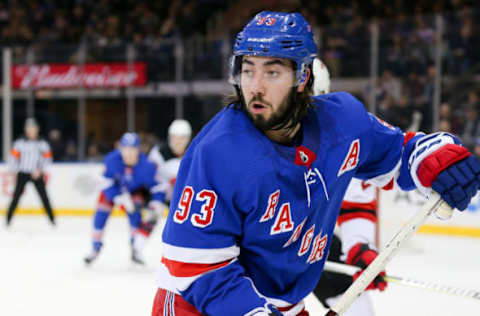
110 185
156 157
434 161
112 188
200 240
157 202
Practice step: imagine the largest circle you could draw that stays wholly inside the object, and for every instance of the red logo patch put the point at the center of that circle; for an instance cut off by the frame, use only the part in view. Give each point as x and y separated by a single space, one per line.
304 156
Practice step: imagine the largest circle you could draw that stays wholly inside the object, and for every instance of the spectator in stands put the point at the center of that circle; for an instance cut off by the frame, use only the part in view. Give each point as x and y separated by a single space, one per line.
476 150
56 143
444 126
92 153
471 127
70 152
464 49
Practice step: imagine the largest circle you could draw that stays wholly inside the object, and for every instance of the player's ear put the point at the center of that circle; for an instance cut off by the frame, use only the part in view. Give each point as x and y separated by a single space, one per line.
302 86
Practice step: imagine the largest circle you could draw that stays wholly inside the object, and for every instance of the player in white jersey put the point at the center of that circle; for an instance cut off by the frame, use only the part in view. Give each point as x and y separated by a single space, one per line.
358 215
167 159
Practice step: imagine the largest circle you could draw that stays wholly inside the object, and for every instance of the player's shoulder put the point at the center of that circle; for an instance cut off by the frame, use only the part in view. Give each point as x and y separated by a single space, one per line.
230 130
341 112
19 141
228 137
339 102
165 151
145 163
113 157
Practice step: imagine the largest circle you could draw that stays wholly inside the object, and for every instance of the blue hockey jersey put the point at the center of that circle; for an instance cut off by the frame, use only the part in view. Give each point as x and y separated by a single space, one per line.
251 220
121 178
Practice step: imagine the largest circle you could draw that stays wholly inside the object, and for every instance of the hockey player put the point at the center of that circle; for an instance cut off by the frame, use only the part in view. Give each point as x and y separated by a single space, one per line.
357 222
167 159
129 183
260 187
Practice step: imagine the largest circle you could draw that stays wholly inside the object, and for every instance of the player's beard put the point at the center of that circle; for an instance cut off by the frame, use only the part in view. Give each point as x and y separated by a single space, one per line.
277 118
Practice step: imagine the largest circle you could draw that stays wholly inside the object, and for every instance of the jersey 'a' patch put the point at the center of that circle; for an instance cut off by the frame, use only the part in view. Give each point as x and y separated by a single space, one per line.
351 159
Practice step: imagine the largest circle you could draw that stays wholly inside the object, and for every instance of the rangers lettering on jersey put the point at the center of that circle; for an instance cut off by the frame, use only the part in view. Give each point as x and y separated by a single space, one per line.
283 222
306 241
272 206
296 234
319 244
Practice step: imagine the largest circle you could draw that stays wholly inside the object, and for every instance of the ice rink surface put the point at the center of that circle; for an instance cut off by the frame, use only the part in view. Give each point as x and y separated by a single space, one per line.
42 273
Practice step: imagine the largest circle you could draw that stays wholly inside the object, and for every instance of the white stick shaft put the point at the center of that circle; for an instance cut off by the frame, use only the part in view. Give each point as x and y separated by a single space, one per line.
404 234
426 285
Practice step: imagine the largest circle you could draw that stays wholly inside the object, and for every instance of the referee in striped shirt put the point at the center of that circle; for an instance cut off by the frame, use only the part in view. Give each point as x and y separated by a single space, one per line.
28 159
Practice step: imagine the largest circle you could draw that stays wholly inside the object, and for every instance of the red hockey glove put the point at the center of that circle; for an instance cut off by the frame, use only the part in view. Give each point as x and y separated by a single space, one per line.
361 255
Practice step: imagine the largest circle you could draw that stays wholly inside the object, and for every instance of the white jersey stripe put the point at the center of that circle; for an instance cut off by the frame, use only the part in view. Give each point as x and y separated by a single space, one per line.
172 304
165 303
383 179
199 255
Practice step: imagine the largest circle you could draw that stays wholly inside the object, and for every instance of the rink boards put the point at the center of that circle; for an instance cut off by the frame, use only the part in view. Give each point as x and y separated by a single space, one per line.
73 189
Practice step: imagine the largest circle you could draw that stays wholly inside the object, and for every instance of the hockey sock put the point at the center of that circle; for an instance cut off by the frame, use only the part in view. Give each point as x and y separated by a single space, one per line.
135 220
99 221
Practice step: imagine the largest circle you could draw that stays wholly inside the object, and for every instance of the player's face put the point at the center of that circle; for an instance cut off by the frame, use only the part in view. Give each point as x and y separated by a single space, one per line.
178 144
266 84
31 131
129 155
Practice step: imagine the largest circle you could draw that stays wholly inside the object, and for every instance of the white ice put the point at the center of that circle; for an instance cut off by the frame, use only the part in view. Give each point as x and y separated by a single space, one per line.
42 273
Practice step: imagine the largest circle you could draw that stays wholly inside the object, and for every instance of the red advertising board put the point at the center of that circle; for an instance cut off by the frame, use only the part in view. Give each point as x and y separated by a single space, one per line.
91 75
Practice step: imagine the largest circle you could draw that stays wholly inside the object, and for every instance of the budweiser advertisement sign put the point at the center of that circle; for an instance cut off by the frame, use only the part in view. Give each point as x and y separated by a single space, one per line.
92 75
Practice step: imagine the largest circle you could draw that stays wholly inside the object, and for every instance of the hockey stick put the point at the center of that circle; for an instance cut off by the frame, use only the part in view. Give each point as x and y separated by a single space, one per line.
432 286
434 204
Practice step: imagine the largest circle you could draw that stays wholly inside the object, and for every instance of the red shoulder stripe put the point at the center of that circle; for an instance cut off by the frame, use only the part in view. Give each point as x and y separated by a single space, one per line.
184 269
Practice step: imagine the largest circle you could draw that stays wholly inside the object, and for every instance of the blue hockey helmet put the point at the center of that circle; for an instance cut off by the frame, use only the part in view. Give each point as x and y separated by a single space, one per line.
130 140
276 34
